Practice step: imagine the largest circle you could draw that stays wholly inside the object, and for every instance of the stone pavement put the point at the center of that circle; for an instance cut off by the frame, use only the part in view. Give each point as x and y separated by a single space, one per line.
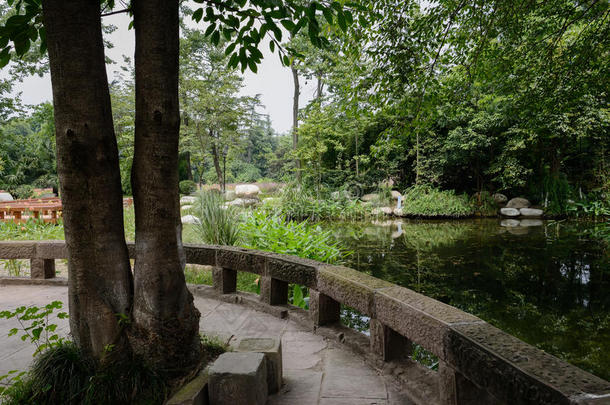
316 370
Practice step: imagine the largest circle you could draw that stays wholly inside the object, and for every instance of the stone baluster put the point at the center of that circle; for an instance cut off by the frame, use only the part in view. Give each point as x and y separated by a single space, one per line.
323 309
273 291
224 280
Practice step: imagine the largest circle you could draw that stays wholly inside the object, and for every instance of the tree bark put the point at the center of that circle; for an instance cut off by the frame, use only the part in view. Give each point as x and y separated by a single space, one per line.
295 116
99 285
216 159
165 324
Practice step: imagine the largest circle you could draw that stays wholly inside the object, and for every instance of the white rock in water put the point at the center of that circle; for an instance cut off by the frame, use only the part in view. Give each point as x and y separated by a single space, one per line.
370 197
531 222
190 219
398 212
247 190
188 200
396 194
518 203
510 212
531 212
6 197
510 223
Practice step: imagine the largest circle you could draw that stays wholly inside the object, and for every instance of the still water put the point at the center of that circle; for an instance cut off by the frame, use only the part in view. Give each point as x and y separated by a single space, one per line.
548 284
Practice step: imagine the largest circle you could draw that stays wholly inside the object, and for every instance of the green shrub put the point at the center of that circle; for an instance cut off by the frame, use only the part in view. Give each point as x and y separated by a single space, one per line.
32 229
22 192
218 225
274 233
46 181
297 203
425 201
187 187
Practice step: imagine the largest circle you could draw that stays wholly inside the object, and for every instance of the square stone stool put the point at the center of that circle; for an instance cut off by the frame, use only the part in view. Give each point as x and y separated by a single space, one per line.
272 349
238 379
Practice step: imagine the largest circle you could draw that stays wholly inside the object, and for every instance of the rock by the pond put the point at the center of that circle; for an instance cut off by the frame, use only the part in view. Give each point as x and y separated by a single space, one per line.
382 211
510 212
370 197
238 378
510 223
247 191
6 197
518 203
398 212
186 200
190 219
500 198
242 202
531 222
229 195
531 212
396 194
186 207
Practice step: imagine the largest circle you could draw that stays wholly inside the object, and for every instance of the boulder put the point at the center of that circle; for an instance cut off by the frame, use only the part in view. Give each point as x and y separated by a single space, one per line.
382 211
190 219
242 202
510 212
531 212
229 195
531 222
396 194
398 212
370 197
500 198
186 207
188 200
518 203
247 191
6 197
510 223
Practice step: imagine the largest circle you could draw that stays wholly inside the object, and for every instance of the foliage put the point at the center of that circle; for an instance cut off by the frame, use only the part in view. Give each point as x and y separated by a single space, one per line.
187 187
35 325
32 229
426 201
217 225
274 233
300 202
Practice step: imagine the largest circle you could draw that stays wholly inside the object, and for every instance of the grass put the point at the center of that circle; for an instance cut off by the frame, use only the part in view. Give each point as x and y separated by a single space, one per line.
218 225
427 202
62 375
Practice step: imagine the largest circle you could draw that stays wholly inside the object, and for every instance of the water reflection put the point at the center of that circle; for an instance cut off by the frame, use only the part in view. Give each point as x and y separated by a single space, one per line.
546 282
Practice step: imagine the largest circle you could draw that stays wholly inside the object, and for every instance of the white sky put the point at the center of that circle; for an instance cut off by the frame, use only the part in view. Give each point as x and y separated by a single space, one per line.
273 81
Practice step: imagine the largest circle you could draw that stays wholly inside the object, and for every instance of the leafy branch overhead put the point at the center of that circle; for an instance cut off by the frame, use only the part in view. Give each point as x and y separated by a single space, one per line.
243 24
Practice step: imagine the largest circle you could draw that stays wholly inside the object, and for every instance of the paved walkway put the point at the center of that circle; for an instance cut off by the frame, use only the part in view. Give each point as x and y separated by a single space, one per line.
316 370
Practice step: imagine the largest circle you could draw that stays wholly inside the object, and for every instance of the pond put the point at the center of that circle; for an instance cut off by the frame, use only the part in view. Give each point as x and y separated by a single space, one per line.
548 283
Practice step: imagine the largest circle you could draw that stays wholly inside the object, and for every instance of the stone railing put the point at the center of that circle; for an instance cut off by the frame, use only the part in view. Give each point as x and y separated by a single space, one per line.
478 363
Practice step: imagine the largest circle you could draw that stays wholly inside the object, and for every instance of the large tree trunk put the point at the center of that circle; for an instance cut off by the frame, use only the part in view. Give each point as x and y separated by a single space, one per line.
295 116
88 167
165 325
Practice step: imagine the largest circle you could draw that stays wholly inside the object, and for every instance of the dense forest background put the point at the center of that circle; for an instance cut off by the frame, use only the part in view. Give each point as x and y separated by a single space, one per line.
476 97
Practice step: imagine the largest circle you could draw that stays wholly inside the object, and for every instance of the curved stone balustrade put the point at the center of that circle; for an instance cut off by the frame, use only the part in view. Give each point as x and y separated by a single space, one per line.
478 363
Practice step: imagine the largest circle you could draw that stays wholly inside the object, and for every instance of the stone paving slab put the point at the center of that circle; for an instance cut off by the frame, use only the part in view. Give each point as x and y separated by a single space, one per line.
316 370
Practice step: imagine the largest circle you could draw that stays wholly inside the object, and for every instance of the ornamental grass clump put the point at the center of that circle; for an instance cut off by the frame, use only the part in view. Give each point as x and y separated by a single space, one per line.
218 224
428 202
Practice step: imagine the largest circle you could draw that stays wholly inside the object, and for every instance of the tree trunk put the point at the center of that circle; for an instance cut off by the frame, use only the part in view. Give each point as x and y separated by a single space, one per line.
99 285
295 116
216 159
165 324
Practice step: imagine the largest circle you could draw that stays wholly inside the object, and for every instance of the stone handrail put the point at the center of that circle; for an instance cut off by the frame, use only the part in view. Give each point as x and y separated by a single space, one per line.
478 363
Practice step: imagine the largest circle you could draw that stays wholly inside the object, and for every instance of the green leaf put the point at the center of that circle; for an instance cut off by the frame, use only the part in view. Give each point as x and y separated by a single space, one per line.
198 14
